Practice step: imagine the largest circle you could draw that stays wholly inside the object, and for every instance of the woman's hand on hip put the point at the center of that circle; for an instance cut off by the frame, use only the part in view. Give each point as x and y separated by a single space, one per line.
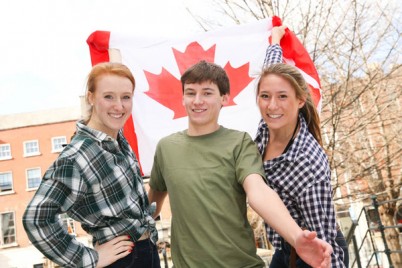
113 250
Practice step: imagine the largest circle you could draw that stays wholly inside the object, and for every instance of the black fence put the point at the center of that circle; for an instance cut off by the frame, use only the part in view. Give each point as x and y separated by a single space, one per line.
368 246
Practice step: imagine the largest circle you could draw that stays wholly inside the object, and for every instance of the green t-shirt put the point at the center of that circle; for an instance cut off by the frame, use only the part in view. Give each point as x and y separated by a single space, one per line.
203 176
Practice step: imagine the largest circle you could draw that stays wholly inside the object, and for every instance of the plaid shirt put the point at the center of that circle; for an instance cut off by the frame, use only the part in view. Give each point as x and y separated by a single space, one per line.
97 181
273 55
301 177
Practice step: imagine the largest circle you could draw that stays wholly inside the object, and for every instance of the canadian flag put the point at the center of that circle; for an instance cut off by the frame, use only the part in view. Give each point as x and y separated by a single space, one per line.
158 63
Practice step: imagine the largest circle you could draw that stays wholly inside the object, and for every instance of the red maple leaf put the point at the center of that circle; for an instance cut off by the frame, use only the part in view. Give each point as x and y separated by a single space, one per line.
166 88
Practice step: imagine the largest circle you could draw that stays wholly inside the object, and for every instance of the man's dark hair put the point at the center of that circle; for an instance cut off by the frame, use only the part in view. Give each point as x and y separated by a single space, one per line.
207 72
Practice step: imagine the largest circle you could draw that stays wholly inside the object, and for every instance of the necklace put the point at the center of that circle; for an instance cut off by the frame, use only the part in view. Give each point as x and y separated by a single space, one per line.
292 139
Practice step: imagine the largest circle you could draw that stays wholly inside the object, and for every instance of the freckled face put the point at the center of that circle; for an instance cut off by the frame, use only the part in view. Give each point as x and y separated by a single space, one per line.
112 104
277 101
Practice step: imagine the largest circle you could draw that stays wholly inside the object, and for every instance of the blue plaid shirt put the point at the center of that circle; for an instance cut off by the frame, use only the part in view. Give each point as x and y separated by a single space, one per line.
96 180
301 177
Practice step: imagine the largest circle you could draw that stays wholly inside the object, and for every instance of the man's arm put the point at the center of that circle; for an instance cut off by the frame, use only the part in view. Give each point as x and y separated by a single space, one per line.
157 197
270 207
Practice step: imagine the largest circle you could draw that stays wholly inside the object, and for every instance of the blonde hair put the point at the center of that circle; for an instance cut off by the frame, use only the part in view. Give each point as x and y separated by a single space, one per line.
98 70
296 80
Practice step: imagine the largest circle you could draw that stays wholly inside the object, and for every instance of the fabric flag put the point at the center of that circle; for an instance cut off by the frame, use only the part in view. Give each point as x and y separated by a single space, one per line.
295 54
158 62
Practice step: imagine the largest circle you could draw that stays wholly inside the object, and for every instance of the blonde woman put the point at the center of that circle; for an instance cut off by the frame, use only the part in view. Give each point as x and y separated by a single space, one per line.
295 164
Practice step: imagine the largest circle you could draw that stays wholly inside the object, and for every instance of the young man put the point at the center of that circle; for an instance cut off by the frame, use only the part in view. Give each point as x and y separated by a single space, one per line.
209 172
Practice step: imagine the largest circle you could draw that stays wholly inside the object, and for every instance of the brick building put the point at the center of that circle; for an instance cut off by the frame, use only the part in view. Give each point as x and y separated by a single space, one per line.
29 143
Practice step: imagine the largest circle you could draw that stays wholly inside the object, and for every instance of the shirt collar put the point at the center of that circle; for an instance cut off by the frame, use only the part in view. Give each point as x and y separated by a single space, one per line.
262 138
96 134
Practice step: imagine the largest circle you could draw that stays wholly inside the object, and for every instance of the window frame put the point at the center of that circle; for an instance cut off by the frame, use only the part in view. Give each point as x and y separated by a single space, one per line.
58 150
68 221
9 150
12 244
26 154
12 183
27 178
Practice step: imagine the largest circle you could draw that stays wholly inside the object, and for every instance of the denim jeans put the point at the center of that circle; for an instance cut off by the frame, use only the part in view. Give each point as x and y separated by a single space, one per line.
341 241
280 259
144 255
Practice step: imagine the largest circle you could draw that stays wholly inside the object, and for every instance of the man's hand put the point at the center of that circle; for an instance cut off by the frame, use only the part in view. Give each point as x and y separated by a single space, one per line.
313 251
113 250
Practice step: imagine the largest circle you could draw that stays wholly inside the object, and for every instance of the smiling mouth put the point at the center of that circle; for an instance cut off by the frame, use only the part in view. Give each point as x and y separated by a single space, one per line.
274 116
117 116
199 110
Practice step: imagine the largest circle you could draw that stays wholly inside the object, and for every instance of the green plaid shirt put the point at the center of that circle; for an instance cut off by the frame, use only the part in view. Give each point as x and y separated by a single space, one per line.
97 181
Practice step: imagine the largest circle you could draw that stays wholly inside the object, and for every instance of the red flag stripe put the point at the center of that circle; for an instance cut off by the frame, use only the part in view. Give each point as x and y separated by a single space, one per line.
293 49
98 43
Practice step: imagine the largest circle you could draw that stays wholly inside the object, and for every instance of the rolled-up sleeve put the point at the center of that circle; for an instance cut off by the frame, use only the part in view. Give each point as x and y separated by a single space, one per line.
273 55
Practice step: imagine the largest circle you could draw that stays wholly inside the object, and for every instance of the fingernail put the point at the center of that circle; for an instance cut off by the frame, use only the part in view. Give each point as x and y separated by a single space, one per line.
129 237
129 250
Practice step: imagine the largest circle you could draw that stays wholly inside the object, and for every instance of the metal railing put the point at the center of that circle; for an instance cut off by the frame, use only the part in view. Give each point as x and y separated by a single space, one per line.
367 238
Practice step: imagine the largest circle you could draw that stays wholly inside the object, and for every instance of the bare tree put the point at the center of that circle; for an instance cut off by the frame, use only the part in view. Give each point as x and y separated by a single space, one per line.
356 46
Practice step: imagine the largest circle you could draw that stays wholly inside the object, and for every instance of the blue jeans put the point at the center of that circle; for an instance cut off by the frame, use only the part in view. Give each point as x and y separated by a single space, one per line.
144 255
280 259
341 241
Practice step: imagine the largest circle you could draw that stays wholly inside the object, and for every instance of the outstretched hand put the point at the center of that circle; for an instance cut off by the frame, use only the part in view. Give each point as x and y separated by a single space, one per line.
113 250
313 251
277 33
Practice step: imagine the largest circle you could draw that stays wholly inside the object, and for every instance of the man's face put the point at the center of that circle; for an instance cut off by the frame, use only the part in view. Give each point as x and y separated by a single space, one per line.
203 103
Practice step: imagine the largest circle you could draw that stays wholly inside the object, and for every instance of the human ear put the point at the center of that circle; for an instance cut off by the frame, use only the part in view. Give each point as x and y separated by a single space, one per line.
301 103
225 99
90 98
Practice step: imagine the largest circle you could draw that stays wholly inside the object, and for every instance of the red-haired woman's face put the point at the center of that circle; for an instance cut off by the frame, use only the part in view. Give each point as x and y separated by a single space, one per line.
112 104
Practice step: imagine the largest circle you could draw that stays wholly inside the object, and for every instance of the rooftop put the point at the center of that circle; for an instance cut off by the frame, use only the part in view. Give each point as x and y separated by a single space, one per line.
40 117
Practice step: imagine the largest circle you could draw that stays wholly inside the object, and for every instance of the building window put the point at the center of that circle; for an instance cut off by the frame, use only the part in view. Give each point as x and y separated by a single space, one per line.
5 151
57 144
68 223
31 148
33 178
6 182
7 229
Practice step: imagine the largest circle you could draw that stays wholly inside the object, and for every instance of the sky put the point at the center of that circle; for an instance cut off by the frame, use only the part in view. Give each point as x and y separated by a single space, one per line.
43 51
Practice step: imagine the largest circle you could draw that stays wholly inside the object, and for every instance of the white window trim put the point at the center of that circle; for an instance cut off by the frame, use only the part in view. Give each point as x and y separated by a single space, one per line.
26 178
58 150
7 157
31 154
12 184
14 244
